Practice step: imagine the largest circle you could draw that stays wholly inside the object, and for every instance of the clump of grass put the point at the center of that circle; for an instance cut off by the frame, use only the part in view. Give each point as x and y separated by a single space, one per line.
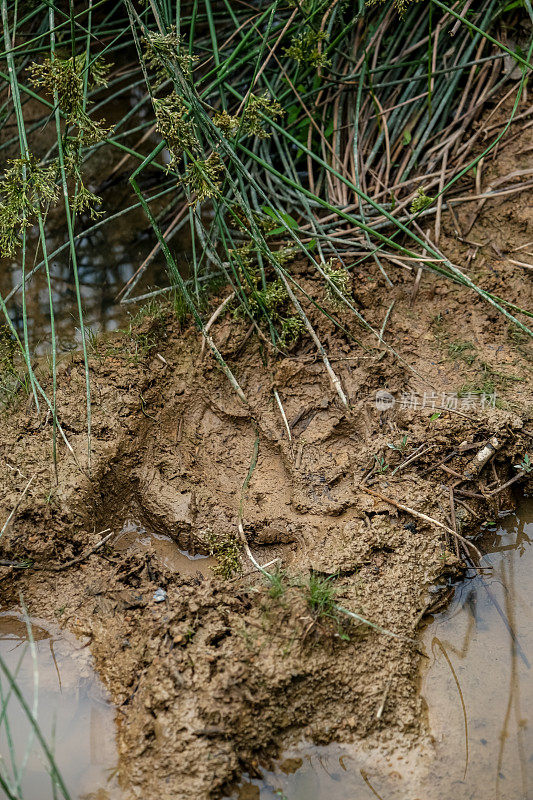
145 328
179 306
517 337
462 350
247 142
483 386
153 309
278 584
380 464
486 383
227 552
93 342
490 373
321 594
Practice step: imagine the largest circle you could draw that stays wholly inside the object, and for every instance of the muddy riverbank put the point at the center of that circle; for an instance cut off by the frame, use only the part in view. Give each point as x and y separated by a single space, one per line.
475 681
215 674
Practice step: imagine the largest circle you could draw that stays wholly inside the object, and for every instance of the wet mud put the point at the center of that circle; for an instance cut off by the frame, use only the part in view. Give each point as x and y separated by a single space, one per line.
475 682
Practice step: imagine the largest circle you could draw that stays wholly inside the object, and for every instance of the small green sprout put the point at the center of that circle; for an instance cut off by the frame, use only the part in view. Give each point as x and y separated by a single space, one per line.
401 447
525 466
92 340
321 594
278 584
380 464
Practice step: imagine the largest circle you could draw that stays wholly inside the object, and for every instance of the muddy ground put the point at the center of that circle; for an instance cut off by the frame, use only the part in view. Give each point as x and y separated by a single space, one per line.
226 671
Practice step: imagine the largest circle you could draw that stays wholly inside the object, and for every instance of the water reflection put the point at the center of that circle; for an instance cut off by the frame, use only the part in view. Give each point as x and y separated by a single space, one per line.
487 635
107 258
74 714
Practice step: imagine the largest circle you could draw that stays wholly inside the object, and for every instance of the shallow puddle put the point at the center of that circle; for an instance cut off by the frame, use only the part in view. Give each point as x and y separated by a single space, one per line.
105 265
481 650
73 712
134 537
332 772
478 685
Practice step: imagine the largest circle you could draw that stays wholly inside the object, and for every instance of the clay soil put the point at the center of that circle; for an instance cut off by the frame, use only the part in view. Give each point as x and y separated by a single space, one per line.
225 672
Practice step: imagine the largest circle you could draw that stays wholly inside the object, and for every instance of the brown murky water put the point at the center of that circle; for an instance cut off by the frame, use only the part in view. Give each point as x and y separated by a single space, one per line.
107 259
334 772
486 636
134 537
478 686
73 712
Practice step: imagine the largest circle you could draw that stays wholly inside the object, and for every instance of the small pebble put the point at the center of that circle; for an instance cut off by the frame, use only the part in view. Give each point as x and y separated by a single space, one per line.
160 595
